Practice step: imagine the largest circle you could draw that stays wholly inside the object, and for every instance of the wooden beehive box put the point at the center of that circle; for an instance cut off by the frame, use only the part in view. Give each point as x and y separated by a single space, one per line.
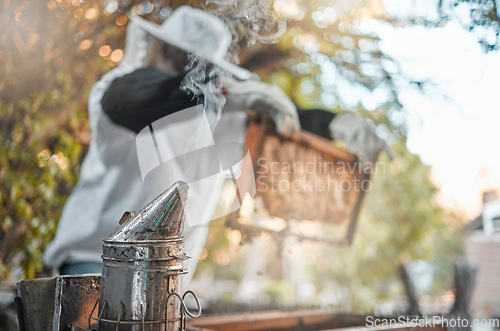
301 320
303 176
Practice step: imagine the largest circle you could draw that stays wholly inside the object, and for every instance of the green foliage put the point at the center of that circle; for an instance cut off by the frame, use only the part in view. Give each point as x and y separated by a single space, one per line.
401 220
399 223
38 169
483 20
46 76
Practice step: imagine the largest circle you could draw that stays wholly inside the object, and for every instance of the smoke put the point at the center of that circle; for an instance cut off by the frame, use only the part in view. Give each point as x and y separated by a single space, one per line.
248 20
201 79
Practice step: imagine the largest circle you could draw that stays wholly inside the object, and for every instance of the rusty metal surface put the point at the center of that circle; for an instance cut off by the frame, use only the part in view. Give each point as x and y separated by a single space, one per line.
78 294
161 219
68 302
137 289
37 303
142 264
52 303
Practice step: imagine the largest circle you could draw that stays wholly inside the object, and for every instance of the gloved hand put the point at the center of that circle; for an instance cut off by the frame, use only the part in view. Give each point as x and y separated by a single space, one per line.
360 137
263 98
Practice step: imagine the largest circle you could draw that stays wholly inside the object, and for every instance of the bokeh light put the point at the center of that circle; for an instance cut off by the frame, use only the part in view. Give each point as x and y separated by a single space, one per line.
116 55
86 44
121 20
91 14
78 13
104 50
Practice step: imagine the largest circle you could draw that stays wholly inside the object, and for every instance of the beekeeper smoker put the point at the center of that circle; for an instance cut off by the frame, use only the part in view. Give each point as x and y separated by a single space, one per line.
146 87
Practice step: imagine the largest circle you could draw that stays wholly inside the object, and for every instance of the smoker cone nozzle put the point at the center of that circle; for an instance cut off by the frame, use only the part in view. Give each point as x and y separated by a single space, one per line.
162 218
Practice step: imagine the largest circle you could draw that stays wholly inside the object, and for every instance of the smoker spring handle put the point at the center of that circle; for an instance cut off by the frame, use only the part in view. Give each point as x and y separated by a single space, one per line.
184 312
184 309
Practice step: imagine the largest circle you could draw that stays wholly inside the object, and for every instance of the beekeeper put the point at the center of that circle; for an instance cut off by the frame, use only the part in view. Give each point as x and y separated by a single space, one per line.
148 85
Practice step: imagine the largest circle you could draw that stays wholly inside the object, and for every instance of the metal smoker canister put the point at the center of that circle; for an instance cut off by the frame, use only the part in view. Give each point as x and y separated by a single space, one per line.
142 264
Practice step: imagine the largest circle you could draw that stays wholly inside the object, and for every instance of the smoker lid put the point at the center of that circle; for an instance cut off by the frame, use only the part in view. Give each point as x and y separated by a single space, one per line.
162 218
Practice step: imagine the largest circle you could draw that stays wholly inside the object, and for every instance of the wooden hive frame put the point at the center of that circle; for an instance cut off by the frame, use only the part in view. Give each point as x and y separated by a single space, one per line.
263 142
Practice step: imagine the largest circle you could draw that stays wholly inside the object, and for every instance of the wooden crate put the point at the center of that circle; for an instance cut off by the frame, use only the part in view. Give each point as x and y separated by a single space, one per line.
305 320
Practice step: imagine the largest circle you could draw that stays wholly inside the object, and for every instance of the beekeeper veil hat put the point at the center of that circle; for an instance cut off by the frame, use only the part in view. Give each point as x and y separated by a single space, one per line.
136 48
198 32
